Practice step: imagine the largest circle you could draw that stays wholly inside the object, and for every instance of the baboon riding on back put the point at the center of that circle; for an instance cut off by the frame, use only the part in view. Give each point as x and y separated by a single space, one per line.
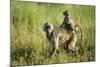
65 33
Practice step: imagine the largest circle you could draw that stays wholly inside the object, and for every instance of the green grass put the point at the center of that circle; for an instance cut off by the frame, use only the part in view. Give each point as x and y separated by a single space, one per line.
29 45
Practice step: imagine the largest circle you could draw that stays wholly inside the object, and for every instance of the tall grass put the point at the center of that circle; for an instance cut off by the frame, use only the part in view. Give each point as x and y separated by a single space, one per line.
29 45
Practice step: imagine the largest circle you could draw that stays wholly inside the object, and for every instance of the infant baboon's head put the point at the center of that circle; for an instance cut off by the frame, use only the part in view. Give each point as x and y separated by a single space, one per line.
65 13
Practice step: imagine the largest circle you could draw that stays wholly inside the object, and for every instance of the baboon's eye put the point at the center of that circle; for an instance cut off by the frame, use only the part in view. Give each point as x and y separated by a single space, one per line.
47 26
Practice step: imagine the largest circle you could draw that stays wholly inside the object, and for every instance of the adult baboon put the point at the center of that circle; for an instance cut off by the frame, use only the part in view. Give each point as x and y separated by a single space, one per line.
55 34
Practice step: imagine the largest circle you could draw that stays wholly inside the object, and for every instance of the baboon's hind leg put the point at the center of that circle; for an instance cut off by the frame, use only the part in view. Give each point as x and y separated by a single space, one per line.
66 46
72 43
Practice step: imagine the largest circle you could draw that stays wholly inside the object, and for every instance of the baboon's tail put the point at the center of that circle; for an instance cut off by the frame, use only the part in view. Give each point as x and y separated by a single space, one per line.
78 30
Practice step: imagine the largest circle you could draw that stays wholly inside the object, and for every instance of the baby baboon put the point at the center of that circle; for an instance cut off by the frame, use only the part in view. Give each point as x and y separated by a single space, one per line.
55 34
67 22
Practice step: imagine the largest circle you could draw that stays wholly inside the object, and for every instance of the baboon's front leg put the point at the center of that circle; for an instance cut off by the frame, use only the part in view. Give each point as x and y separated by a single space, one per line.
54 50
65 46
55 47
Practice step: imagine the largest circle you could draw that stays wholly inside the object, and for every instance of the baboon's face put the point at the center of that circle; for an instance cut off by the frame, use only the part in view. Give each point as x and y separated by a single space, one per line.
65 13
48 28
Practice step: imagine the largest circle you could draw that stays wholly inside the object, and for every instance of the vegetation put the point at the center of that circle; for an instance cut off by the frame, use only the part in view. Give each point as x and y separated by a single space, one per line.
29 45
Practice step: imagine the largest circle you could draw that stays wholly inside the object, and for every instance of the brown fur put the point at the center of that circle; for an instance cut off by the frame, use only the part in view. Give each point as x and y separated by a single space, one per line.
56 34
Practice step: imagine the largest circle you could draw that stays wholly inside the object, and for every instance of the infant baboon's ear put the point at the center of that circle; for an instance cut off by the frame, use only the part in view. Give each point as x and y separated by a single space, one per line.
65 13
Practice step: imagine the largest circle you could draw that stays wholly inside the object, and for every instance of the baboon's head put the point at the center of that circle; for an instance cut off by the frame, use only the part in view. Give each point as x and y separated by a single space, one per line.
65 13
48 28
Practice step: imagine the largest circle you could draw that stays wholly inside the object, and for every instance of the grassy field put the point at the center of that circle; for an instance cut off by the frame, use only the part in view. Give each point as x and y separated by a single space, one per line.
29 45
